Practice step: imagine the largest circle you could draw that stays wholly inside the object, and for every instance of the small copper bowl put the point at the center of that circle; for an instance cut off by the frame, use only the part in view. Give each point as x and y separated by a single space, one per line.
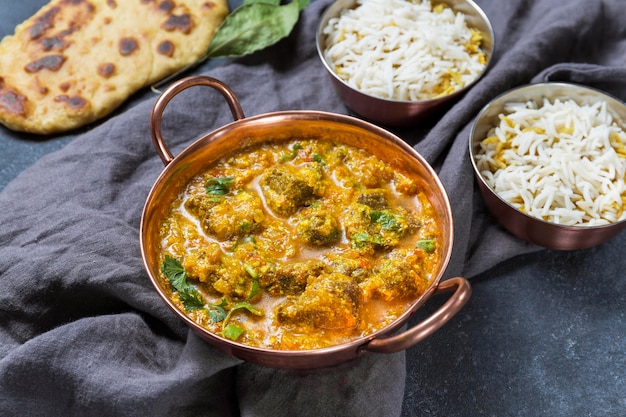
522 225
285 125
397 112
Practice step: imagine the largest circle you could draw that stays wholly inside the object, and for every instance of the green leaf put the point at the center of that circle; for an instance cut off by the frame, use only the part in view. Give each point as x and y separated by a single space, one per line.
250 270
174 272
191 299
427 245
218 185
276 2
233 332
294 152
386 219
253 26
241 306
361 239
245 239
244 305
217 312
256 288
245 226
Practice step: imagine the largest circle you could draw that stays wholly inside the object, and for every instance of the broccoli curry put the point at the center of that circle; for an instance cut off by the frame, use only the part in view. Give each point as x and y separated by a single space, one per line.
298 245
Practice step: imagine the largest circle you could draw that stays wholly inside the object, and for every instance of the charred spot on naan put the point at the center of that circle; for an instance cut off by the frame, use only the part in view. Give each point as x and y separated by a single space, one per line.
12 100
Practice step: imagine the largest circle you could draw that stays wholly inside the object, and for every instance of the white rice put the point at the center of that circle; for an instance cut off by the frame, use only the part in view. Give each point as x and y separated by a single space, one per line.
561 162
403 50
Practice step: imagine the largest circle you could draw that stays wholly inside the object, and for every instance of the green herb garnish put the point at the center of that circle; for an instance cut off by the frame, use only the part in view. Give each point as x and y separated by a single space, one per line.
319 159
361 239
187 292
255 290
294 152
218 185
427 245
250 270
244 239
175 273
217 312
232 331
386 219
244 305
193 300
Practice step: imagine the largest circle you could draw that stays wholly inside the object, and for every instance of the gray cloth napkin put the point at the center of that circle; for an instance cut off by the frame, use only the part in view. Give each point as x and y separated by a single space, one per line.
82 331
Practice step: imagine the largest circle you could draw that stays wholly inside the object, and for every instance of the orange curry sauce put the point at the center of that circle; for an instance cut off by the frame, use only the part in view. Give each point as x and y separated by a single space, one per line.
311 244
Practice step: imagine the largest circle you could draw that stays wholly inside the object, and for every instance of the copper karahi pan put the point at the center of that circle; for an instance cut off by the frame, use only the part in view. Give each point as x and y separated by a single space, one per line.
284 125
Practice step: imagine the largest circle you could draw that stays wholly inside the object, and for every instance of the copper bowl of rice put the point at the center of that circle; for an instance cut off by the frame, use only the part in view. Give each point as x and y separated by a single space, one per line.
550 161
396 62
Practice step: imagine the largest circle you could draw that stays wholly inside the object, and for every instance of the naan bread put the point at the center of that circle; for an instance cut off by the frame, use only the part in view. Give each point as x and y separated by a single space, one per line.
75 61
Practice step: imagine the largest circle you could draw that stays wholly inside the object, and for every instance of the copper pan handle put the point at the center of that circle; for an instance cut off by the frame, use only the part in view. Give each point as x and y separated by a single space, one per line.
419 332
171 92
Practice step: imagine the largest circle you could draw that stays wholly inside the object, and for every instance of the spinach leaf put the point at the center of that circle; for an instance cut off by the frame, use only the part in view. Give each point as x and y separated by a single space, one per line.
253 26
